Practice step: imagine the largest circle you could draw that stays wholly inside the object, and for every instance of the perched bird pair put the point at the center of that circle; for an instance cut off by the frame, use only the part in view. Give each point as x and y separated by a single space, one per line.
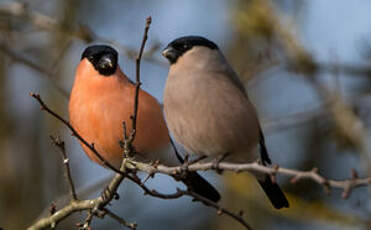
207 110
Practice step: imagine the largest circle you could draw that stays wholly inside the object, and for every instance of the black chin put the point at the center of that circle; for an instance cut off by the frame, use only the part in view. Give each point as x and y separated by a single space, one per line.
106 71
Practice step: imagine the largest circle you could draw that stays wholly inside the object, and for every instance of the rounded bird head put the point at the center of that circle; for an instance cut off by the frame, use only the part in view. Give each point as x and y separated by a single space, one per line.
104 58
180 46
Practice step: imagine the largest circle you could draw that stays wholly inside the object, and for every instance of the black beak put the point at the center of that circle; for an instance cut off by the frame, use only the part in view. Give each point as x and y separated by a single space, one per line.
106 62
166 52
170 54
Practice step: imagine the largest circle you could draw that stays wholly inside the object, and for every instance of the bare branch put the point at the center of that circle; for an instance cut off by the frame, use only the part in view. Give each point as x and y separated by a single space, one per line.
313 175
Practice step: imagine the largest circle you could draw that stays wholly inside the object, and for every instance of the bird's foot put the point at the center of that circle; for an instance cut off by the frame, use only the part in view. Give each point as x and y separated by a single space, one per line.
217 161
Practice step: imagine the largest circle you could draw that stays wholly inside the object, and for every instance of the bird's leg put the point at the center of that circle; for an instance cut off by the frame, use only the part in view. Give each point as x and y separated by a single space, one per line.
186 158
217 161
187 162
197 159
105 194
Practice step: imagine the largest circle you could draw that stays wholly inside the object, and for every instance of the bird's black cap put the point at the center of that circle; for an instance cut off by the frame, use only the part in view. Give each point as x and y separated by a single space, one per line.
179 46
104 58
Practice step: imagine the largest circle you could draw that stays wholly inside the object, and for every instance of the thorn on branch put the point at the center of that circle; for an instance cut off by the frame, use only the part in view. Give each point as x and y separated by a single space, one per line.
326 187
354 174
350 185
322 181
52 208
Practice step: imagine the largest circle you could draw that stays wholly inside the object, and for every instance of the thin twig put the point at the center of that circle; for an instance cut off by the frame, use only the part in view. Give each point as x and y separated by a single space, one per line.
119 219
60 144
88 220
138 83
153 192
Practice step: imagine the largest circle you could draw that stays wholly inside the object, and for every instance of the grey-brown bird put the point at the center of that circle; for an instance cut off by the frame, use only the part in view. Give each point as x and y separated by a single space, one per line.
208 111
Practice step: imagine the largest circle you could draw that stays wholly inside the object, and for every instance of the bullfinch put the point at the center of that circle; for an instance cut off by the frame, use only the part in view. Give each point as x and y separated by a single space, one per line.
102 98
208 111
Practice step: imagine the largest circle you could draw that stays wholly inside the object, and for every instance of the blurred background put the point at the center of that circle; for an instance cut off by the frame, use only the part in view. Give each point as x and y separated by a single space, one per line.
306 66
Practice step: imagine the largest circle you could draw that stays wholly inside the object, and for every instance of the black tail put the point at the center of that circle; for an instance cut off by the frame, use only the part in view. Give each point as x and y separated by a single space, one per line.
274 193
200 186
273 190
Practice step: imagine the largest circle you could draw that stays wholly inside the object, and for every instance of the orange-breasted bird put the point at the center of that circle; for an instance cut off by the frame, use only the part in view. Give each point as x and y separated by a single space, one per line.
102 98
